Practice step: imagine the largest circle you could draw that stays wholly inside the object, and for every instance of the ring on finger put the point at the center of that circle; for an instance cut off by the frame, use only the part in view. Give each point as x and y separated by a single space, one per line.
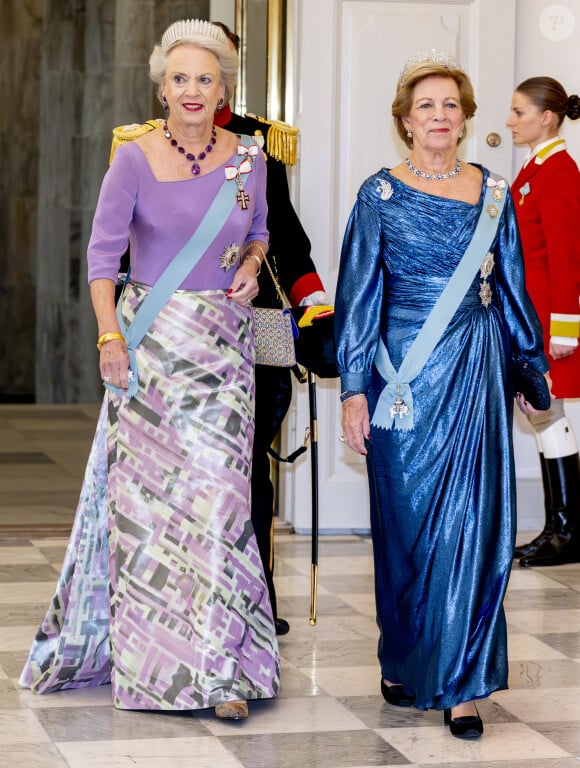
106 378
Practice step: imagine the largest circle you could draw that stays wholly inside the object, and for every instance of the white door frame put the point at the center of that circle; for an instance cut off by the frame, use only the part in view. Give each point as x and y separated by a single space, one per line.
323 92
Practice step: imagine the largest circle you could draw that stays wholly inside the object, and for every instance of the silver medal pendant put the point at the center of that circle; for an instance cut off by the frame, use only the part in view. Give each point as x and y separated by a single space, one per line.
399 408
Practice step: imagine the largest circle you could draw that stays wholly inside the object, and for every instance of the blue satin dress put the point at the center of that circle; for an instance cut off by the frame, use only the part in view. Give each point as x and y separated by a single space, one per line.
442 494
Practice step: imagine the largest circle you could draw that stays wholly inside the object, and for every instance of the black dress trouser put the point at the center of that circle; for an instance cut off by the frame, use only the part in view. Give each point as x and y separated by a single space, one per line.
273 397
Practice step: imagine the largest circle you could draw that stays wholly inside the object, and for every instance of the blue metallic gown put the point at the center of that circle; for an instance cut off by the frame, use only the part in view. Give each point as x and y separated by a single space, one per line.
443 494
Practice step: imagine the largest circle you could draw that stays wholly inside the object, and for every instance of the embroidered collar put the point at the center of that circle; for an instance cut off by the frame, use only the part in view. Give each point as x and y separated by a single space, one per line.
546 149
556 146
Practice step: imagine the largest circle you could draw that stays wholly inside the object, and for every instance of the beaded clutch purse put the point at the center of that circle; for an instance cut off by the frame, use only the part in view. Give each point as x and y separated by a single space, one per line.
274 331
532 385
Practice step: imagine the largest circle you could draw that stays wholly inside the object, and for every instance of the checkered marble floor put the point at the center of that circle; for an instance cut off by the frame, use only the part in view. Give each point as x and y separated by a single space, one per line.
330 713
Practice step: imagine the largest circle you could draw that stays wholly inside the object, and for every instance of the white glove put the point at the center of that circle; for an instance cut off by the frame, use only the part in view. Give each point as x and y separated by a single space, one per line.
318 297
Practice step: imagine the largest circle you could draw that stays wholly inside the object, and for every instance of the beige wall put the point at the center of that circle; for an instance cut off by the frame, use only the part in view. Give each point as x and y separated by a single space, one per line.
68 74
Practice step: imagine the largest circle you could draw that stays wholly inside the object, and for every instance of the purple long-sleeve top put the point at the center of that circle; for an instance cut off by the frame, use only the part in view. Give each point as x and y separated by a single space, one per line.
157 218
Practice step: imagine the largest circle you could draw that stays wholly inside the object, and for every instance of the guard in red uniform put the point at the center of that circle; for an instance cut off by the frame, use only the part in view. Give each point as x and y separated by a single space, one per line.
546 193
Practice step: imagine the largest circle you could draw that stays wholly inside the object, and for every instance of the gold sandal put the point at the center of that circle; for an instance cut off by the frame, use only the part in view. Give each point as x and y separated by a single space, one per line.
232 710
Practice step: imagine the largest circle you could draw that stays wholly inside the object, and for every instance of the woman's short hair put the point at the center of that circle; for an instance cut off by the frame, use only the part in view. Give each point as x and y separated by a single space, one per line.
547 93
404 97
202 34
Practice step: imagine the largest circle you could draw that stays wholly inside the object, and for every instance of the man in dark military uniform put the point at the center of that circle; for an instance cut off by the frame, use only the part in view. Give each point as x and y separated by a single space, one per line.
289 257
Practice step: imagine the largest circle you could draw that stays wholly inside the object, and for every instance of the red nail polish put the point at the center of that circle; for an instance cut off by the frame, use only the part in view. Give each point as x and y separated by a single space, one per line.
228 293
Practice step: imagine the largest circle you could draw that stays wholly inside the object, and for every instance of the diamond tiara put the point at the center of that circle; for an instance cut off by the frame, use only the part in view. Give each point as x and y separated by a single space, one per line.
188 28
443 58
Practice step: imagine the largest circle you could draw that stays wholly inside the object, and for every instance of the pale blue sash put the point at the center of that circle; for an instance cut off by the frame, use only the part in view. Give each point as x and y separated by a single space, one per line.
395 403
174 274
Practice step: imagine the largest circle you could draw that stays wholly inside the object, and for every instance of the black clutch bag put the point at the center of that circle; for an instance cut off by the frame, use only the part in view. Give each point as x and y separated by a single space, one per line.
315 349
532 385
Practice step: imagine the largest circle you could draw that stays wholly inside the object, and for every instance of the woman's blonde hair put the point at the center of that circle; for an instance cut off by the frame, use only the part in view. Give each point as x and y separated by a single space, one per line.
404 97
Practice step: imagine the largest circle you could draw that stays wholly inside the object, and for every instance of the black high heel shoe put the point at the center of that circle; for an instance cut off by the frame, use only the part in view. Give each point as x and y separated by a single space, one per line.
394 694
467 727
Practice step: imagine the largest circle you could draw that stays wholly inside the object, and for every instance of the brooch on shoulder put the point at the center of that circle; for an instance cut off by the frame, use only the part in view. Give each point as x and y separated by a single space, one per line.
385 190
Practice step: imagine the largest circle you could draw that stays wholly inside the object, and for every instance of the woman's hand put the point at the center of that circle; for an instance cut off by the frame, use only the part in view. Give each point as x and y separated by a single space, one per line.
114 360
356 423
523 404
558 351
114 363
244 286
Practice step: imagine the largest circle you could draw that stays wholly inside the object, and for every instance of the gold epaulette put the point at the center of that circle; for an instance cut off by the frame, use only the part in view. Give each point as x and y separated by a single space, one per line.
282 140
124 133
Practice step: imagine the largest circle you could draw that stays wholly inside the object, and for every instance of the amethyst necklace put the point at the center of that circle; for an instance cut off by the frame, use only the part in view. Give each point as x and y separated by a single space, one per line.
195 169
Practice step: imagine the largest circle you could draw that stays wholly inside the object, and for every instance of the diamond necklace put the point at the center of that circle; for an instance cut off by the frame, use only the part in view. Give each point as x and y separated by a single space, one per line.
195 169
433 176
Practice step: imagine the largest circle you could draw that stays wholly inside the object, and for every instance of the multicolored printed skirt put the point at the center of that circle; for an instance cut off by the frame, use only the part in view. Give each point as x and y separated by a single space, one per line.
172 604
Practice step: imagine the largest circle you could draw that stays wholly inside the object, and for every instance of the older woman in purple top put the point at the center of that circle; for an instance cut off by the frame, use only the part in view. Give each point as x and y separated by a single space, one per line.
175 586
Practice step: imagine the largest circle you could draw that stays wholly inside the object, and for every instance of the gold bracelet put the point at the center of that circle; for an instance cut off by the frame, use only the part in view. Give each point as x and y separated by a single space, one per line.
254 256
113 336
255 244
260 247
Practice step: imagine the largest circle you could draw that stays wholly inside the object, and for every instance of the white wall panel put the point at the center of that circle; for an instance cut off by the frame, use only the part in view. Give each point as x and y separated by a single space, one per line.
347 57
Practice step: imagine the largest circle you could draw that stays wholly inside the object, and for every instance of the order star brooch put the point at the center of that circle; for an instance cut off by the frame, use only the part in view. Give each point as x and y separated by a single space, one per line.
487 265
229 256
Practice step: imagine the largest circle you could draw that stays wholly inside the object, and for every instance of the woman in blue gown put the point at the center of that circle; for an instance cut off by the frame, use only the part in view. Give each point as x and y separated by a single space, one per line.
437 432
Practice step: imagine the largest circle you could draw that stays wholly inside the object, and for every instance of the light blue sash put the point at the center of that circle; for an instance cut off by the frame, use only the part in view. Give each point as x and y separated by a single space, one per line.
395 403
174 274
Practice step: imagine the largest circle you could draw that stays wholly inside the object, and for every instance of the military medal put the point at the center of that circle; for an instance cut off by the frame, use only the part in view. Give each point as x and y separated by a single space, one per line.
237 172
242 197
497 187
525 190
399 408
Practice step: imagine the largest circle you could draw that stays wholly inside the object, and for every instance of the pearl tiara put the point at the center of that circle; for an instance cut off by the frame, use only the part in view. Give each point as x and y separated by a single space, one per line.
442 58
188 28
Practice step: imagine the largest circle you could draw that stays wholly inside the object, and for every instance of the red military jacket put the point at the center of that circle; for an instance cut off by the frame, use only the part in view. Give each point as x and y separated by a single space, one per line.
546 193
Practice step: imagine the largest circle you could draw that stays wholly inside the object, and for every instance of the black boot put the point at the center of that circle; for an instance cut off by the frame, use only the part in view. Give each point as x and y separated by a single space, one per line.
525 550
563 546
